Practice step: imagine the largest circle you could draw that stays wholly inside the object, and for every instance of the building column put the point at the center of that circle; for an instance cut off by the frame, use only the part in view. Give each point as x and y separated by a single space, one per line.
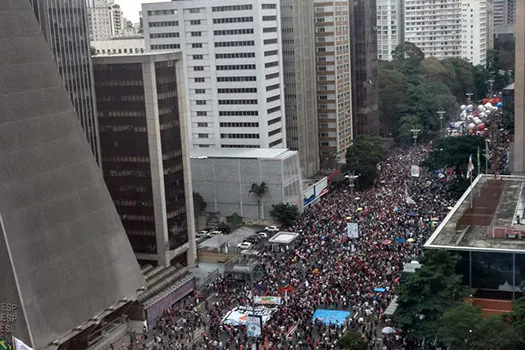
519 92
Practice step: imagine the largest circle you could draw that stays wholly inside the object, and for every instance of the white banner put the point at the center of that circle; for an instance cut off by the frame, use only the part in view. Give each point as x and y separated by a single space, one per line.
20 345
352 230
414 171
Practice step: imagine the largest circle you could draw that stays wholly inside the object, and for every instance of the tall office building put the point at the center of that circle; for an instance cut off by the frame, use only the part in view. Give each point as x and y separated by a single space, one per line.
298 38
365 93
105 19
334 90
233 68
390 27
65 260
64 25
141 99
504 11
519 92
448 28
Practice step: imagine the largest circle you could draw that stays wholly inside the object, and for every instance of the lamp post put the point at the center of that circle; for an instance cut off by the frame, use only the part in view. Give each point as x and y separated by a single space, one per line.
491 84
469 95
351 182
487 155
441 113
414 133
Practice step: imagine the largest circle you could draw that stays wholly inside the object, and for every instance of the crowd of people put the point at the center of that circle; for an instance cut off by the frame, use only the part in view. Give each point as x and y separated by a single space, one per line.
325 268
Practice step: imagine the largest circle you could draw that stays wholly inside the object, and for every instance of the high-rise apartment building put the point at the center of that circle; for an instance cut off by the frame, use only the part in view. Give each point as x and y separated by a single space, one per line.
448 28
504 11
300 88
233 68
334 90
141 99
64 25
363 41
65 260
390 27
105 19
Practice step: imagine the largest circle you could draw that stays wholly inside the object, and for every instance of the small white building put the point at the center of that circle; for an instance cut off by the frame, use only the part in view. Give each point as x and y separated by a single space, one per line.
223 178
115 46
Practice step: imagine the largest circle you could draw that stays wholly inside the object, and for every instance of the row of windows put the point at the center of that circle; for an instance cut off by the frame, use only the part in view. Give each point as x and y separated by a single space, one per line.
238 113
126 160
269 18
165 46
133 203
202 125
125 114
235 43
237 90
276 142
273 110
195 22
233 31
271 64
231 8
198 57
161 12
270 30
200 80
164 24
202 113
274 121
236 67
200 91
233 20
274 132
235 55
237 102
240 136
240 146
196 33
164 35
270 41
269 6
273 98
122 128
273 87
271 53
272 76
240 125
230 79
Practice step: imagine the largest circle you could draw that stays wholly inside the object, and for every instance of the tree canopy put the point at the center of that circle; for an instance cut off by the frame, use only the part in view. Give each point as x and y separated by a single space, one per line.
362 158
352 340
285 213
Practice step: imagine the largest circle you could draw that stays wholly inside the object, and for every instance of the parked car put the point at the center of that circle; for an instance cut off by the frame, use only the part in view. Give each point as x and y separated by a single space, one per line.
263 235
215 233
245 245
202 233
254 239
271 229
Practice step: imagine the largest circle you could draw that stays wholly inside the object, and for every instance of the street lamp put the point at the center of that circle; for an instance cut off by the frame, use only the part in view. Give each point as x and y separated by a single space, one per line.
351 182
469 95
491 84
441 113
415 132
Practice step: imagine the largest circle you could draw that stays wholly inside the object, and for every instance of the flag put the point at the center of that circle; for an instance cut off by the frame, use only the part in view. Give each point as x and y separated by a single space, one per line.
19 345
470 167
479 162
409 199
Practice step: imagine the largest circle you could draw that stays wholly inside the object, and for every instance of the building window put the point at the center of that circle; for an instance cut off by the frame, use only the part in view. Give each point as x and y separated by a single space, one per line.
275 120
233 32
195 22
274 132
237 102
235 55
271 53
237 90
198 57
240 136
199 80
202 113
270 30
200 102
164 24
234 43
196 45
195 10
236 67
161 12
272 76
200 91
238 113
202 125
231 8
203 136
198 68
239 125
270 41
269 18
165 47
232 20
275 143
271 64
196 33
269 6
164 35
235 79
273 87
273 98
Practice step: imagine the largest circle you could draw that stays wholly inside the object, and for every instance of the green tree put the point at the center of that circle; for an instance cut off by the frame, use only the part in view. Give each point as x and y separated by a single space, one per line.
427 295
285 213
259 191
352 340
507 117
92 51
407 58
362 158
391 98
454 152
199 205
409 122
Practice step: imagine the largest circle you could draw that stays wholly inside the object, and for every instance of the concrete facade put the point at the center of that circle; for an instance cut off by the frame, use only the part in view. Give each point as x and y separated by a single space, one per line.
64 255
298 38
519 91
116 46
390 27
233 67
145 152
224 178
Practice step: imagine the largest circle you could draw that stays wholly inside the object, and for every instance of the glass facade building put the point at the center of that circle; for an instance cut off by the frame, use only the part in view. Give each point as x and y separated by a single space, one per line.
143 147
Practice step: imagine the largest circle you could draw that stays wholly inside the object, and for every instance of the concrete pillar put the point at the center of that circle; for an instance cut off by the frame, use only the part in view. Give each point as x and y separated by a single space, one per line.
519 92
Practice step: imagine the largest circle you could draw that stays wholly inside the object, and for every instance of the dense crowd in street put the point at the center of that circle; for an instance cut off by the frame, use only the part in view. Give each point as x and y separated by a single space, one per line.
327 269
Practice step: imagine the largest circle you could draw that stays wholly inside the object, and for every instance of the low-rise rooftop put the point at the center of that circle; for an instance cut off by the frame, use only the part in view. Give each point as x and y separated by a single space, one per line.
488 217
251 153
283 238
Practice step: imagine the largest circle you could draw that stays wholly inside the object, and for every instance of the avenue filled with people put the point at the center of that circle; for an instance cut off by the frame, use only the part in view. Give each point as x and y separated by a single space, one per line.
325 268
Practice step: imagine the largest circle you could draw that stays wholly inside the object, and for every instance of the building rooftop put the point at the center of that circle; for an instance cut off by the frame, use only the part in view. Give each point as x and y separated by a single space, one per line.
485 217
283 238
137 57
248 153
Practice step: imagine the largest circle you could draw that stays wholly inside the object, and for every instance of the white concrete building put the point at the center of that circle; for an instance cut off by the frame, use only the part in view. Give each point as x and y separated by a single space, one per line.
233 66
504 12
448 28
390 27
105 19
122 45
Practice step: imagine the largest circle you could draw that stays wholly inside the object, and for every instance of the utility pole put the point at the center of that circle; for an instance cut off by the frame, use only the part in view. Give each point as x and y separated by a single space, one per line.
491 84
415 132
441 113
487 155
